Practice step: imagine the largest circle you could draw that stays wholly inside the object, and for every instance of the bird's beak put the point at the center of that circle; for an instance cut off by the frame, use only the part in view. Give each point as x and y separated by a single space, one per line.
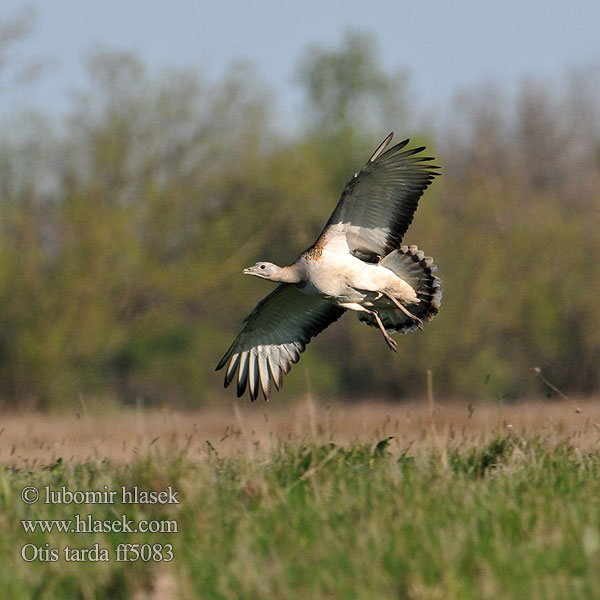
247 271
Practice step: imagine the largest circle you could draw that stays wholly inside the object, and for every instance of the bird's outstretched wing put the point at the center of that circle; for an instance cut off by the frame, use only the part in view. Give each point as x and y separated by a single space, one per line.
274 334
378 203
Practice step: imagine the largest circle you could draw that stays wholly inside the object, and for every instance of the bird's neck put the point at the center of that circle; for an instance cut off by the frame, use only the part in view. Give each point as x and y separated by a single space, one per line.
291 274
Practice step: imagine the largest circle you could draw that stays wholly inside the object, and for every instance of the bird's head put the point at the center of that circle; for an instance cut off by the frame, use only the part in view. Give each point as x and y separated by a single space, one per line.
264 270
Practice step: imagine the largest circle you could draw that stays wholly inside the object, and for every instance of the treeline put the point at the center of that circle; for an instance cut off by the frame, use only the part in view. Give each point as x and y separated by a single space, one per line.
125 226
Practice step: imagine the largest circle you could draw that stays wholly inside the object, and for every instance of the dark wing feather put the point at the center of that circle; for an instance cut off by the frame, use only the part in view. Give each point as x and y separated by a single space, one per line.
272 338
378 203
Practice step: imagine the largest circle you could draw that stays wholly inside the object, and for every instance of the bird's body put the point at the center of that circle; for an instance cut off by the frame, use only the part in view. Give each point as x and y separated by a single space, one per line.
356 264
347 280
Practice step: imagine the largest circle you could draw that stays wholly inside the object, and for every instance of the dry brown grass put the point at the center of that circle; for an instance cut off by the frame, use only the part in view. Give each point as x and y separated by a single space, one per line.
33 437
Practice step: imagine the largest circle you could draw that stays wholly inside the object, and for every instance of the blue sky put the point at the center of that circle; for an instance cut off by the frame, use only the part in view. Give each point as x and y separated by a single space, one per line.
445 45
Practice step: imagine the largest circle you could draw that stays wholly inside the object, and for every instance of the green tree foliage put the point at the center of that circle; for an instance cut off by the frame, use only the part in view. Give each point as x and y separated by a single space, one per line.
124 232
347 90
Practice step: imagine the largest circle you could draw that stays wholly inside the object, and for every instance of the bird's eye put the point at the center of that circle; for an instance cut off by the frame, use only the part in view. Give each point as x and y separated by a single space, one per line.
262 266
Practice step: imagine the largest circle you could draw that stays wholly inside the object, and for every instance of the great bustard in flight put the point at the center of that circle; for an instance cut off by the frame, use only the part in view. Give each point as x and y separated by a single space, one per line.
357 263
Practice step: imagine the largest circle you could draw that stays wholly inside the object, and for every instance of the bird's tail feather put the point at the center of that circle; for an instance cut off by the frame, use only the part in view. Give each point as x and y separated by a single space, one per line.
418 270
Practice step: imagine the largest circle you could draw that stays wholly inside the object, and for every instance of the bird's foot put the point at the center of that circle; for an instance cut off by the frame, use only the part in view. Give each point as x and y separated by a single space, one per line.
391 342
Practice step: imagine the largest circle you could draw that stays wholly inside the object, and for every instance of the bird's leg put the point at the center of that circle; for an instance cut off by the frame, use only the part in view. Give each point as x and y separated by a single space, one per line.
392 344
418 321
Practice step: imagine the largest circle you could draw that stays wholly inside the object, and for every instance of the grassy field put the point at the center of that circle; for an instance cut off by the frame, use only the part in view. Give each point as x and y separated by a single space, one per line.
368 501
